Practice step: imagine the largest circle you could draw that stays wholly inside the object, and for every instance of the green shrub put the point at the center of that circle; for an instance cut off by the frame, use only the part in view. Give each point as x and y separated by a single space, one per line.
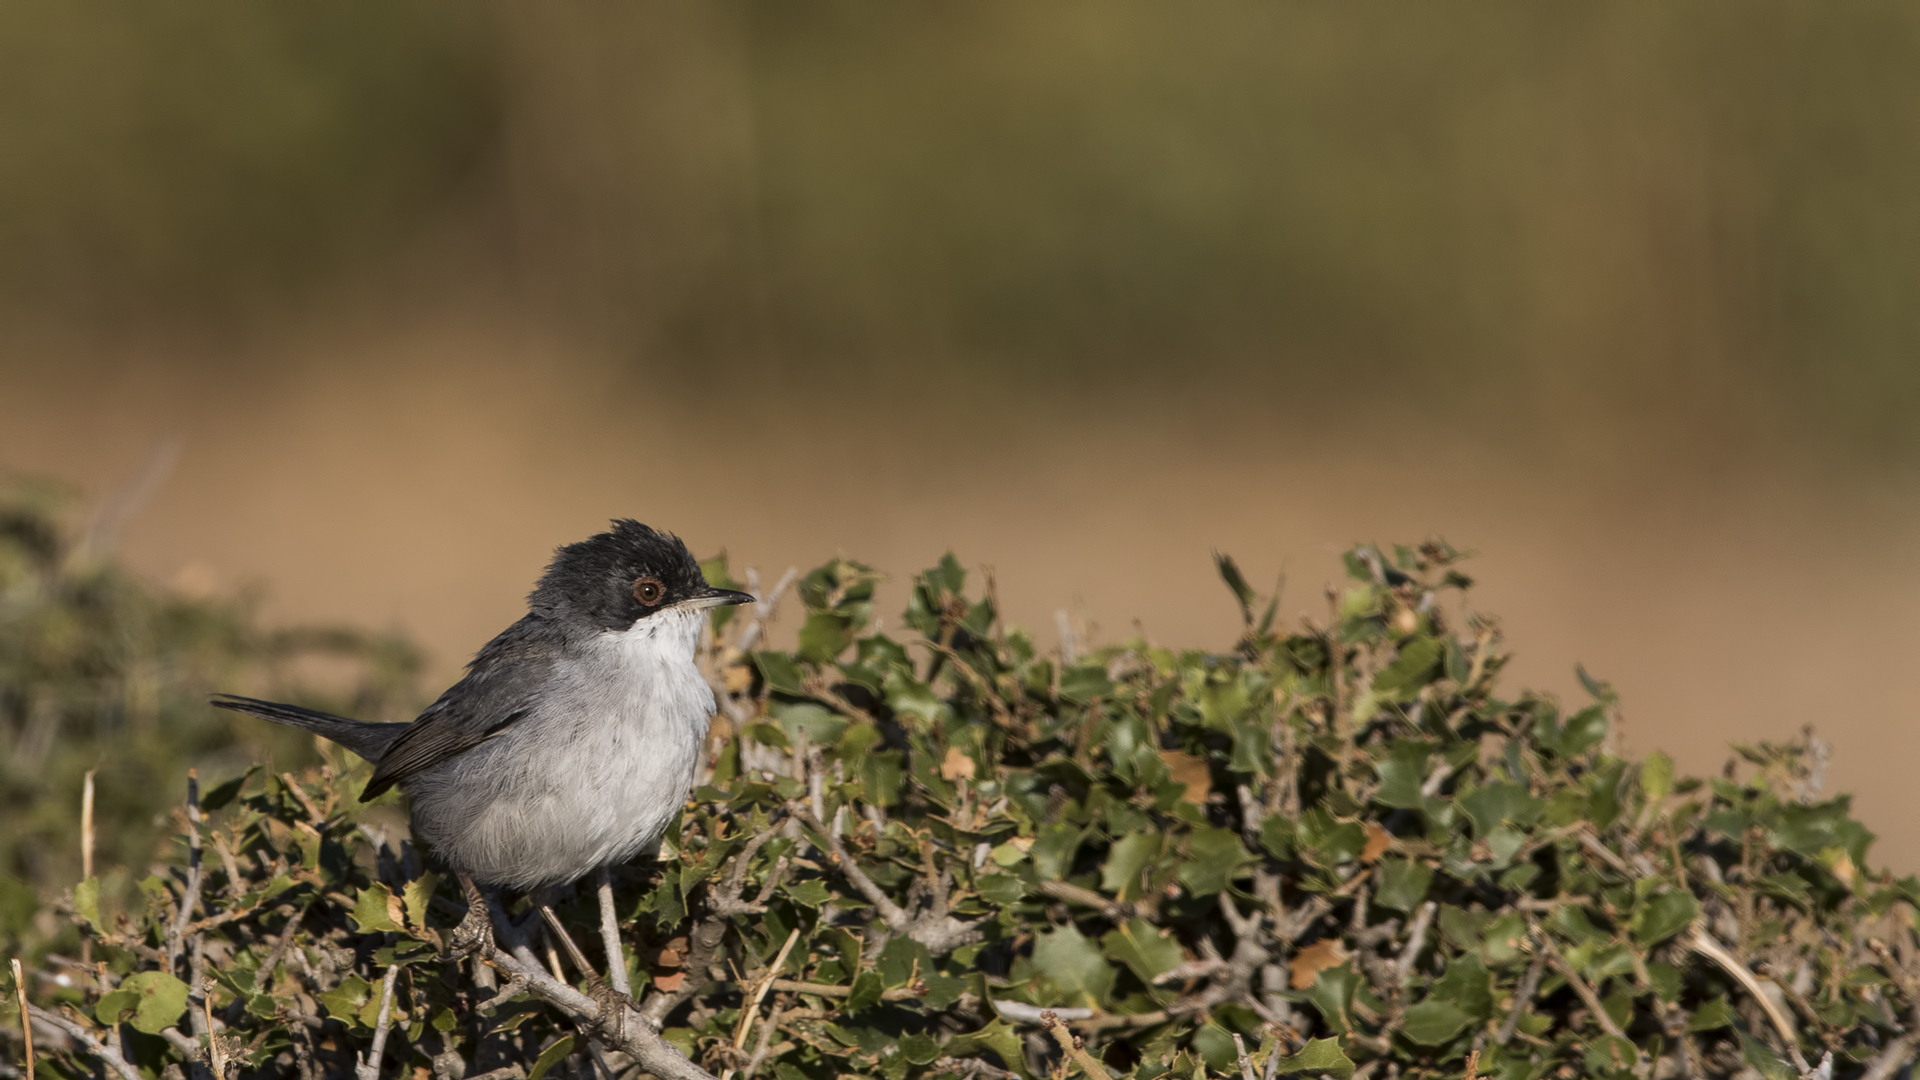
100 671
1337 846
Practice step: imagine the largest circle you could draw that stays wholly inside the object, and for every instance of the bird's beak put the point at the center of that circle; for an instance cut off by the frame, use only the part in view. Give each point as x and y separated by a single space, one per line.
715 598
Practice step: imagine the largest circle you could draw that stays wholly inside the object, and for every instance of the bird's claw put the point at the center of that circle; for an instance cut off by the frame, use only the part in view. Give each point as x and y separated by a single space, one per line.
613 1004
473 935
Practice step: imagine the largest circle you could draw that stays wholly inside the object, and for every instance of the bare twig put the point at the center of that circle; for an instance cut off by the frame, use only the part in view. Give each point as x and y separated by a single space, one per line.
752 1007
940 932
103 532
86 854
1022 1013
1890 1060
1117 910
610 937
306 802
1522 997
971 1067
1246 1063
286 940
1416 940
703 942
898 993
1580 987
1702 942
767 1031
1075 1048
108 1055
176 934
369 1066
619 1025
26 1023
574 954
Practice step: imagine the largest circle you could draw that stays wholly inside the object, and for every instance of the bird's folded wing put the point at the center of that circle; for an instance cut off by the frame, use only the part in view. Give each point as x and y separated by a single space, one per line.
497 692
429 741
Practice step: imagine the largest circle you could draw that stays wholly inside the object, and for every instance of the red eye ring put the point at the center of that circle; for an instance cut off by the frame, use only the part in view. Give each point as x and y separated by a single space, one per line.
649 591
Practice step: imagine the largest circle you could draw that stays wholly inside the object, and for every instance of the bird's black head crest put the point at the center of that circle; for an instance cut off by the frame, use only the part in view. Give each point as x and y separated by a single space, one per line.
613 578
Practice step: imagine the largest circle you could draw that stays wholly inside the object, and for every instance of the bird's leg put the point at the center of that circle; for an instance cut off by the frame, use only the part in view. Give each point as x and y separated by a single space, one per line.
610 937
613 1002
475 932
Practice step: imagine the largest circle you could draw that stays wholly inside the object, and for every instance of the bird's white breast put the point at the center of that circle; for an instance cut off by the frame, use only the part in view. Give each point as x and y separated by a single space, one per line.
592 776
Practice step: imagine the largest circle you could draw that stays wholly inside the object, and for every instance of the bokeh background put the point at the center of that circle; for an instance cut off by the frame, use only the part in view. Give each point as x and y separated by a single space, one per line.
383 302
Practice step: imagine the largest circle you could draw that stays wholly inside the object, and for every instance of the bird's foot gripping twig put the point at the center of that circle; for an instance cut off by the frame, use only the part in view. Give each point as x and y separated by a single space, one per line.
475 932
611 1000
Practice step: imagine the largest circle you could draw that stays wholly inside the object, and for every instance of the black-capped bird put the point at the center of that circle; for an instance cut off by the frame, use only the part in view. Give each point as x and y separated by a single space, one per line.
575 734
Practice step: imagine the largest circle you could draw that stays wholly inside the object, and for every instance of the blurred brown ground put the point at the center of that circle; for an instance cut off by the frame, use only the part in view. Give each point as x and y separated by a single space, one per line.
1621 300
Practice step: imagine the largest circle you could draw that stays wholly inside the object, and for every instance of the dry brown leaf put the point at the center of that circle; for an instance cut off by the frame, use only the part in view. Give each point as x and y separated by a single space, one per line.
737 678
669 981
956 765
1191 771
1378 841
1308 963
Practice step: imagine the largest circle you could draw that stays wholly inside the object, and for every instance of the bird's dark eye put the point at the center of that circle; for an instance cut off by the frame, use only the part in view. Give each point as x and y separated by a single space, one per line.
649 591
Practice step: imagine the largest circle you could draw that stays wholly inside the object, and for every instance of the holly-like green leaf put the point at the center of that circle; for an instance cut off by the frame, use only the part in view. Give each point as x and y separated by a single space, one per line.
1143 948
1402 772
345 1001
1712 1013
1467 986
780 671
867 988
1000 1038
1126 858
1403 884
376 910
1075 965
1318 1056
1082 684
1491 806
1214 859
1332 994
823 636
1417 665
1433 1022
918 1049
1664 916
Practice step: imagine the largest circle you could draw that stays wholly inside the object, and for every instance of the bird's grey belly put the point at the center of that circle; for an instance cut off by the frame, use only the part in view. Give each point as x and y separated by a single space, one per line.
536 806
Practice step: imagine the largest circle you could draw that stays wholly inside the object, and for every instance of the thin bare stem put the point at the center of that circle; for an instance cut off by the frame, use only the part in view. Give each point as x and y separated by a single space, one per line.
1703 943
610 937
369 1067
176 935
618 1024
1075 1048
1580 987
108 1055
1522 997
1246 1063
26 1023
752 1008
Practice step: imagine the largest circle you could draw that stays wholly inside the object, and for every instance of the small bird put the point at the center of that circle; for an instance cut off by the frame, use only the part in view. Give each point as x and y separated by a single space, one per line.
575 734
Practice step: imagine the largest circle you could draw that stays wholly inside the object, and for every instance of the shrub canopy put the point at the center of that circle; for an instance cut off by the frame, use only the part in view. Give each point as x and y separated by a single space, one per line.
1339 847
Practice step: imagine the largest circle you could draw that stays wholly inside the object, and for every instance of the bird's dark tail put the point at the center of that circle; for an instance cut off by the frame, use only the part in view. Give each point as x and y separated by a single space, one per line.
369 740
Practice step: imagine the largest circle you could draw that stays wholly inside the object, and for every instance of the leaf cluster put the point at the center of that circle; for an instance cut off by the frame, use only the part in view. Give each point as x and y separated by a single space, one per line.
1331 850
101 672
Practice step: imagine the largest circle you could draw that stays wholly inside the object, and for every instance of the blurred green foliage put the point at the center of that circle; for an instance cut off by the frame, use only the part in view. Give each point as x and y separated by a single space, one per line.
1340 843
102 671
1700 215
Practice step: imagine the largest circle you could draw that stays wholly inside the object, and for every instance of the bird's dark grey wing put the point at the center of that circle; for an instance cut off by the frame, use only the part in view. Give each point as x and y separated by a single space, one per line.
500 688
